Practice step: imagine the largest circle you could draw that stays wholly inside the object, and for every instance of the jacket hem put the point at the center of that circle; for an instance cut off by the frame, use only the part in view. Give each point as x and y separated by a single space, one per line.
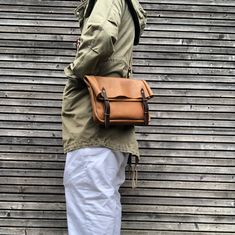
123 148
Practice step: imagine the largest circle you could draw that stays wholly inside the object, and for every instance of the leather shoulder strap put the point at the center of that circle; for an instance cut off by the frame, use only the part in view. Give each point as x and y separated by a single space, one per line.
136 21
89 8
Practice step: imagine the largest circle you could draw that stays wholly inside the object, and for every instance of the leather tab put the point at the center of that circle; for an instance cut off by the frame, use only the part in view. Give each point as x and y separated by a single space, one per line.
146 107
106 108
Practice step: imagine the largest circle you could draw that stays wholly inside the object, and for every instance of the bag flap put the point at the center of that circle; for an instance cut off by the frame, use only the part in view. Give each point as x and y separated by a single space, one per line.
118 87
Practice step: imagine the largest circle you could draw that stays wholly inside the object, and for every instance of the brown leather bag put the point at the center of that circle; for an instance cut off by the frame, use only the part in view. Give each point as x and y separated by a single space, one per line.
119 100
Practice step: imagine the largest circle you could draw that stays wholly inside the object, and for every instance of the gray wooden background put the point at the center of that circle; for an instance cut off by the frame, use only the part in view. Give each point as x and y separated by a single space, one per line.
187 171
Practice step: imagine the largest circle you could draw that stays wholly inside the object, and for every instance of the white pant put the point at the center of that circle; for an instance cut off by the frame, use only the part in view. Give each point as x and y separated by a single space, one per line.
92 178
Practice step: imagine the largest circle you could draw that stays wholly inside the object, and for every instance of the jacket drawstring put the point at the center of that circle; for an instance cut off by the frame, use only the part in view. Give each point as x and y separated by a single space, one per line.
133 170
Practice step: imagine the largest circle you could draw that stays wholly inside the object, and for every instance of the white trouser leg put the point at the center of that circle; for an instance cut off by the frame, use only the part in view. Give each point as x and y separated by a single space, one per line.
92 178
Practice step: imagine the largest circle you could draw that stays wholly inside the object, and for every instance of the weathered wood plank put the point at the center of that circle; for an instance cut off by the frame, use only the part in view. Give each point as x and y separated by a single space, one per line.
27 121
33 118
33 214
211 169
47 102
42 223
33 157
53 88
48 71
148 232
153 34
176 141
62 3
50 12
126 191
45 3
29 231
27 143
191 15
180 227
24 136
177 209
71 27
197 2
174 128
148 6
141 225
14 46
192 7
173 17
177 218
60 63
139 208
125 200
142 184
142 175
126 216
187 153
146 153
187 145
34 16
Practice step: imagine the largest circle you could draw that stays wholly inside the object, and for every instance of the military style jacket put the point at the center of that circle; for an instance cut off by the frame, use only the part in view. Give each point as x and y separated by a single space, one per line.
108 33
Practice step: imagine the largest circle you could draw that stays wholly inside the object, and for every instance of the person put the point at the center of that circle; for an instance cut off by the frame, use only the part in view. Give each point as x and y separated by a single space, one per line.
96 156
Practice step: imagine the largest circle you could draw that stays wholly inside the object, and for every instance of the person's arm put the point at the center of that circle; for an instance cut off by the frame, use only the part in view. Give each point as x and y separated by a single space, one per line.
98 37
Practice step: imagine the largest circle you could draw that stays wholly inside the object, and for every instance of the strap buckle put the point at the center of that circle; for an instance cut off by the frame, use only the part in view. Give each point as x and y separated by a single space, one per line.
106 108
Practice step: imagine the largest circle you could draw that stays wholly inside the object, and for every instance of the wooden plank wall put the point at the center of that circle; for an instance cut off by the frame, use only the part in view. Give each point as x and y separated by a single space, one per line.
187 171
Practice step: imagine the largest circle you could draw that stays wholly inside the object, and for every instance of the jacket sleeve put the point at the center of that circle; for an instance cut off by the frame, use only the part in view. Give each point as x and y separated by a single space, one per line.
98 37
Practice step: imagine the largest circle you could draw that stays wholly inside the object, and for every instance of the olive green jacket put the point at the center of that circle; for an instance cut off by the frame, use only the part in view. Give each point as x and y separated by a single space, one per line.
107 37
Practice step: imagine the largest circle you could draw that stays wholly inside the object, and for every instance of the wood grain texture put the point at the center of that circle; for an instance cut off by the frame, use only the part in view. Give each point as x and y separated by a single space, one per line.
186 173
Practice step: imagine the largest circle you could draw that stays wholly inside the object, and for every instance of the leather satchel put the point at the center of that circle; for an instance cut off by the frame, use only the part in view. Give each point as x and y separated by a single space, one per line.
119 100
